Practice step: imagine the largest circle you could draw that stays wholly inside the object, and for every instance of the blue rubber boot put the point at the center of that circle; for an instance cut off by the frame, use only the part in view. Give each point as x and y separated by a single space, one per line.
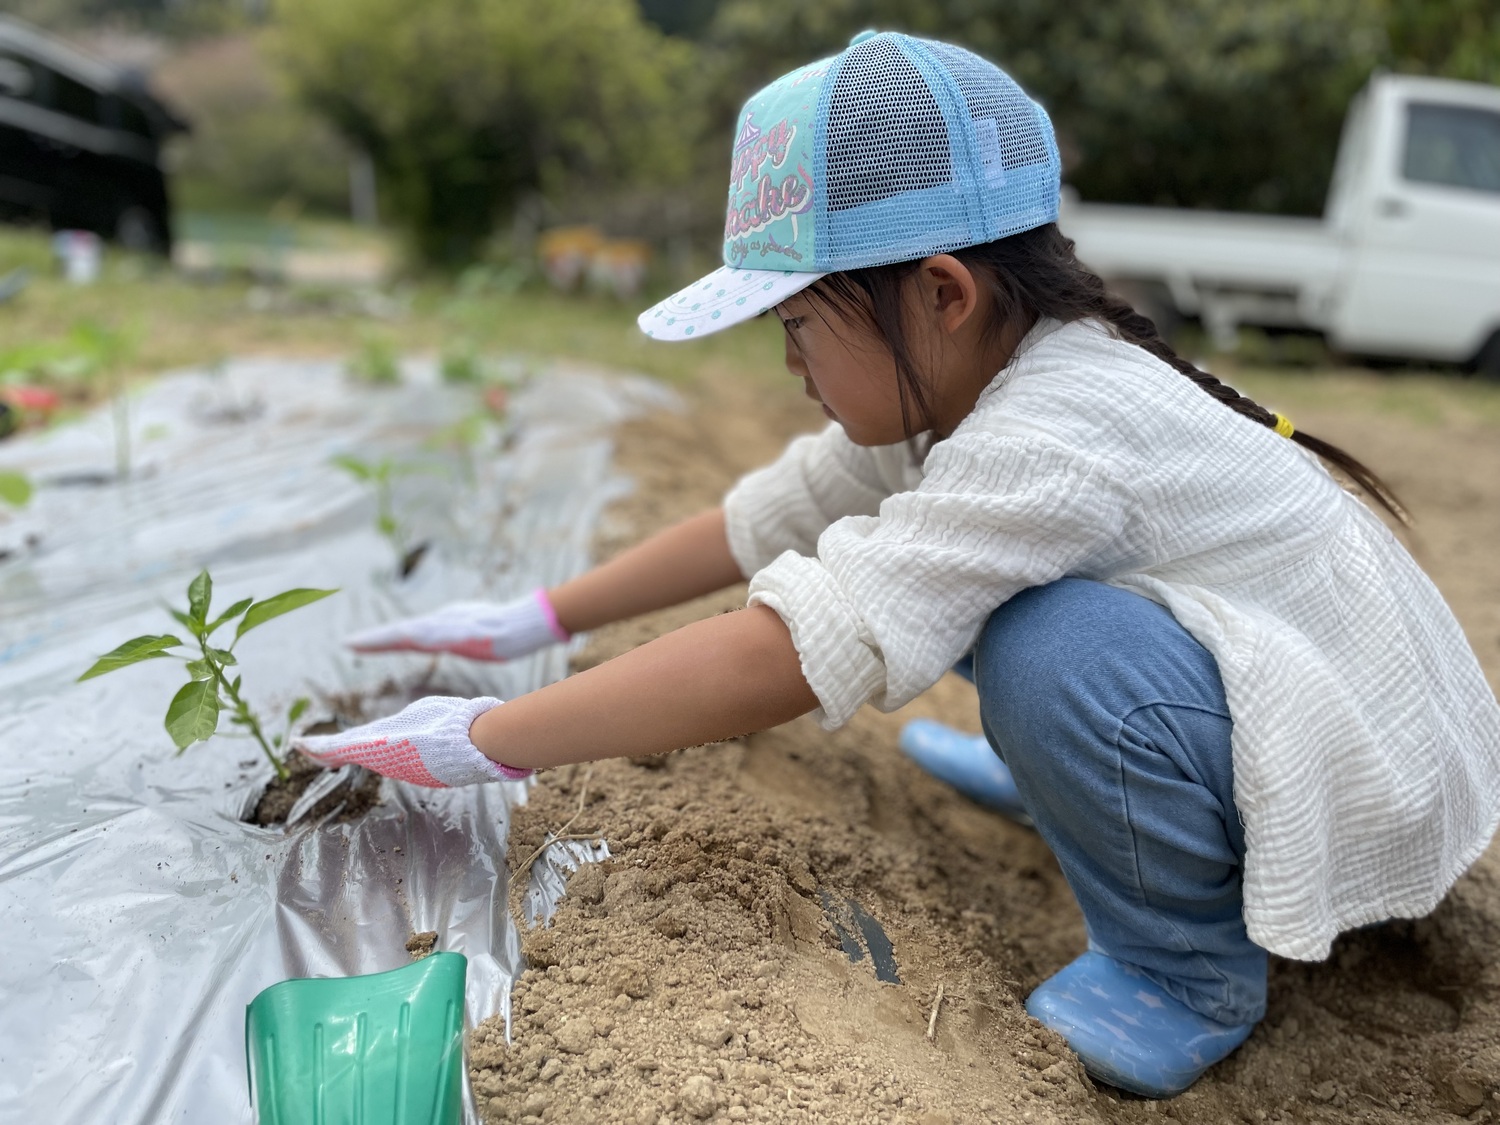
967 762
1127 1031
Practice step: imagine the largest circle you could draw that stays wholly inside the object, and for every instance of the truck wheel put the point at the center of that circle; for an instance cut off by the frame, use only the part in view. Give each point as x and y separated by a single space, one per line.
1487 362
136 228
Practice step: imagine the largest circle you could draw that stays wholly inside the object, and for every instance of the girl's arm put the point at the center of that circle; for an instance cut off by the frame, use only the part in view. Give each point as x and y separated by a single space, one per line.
729 675
683 562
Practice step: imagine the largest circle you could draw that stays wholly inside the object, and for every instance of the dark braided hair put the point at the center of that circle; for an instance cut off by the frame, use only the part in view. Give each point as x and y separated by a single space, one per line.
1037 274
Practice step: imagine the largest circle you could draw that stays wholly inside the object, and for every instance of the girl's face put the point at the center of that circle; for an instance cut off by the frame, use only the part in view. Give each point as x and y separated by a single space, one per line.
848 368
845 368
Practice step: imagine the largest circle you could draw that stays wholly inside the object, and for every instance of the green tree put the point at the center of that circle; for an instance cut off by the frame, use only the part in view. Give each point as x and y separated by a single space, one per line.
1451 38
1180 102
467 105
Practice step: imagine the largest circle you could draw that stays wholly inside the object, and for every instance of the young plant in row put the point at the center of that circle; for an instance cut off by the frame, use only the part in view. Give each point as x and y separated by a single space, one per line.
381 477
376 363
193 715
15 489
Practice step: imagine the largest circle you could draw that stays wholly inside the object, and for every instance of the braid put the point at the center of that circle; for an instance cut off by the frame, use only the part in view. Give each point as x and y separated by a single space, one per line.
1038 270
1037 274
1141 331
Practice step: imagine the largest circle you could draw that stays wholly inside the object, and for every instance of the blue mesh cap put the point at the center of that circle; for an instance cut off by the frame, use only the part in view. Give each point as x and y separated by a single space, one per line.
893 150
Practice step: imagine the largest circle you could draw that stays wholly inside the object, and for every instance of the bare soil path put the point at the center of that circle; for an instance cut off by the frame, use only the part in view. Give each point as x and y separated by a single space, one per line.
697 976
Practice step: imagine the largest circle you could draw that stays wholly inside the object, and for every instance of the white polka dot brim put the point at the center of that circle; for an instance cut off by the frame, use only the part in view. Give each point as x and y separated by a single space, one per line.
726 296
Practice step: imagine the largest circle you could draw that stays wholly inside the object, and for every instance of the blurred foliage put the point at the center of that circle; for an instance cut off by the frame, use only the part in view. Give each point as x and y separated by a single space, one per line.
375 363
170 17
76 364
1452 38
1176 102
252 141
689 18
468 106
487 119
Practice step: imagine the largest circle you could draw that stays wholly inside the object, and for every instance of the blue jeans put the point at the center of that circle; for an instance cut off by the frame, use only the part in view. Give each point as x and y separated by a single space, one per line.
1113 722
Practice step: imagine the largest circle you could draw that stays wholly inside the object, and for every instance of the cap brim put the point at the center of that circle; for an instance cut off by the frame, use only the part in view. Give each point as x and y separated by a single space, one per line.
724 297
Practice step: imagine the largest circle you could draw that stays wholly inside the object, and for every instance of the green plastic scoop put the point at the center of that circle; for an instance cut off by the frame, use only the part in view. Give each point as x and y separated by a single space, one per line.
383 1049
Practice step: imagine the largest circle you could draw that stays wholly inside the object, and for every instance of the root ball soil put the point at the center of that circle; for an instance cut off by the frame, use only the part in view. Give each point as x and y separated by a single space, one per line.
349 801
697 976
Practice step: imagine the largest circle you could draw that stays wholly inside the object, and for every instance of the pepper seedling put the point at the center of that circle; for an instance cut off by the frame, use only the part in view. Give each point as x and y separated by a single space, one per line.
15 489
376 363
381 476
193 714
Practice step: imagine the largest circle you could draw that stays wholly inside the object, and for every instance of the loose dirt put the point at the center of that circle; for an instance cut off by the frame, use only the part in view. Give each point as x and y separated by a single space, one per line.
348 802
352 798
698 974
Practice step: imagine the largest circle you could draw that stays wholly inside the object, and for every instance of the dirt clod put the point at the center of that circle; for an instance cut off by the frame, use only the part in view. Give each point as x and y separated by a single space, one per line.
575 1036
422 944
698 1097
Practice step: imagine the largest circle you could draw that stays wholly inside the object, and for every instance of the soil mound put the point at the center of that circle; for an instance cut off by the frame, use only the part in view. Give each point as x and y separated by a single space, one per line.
706 972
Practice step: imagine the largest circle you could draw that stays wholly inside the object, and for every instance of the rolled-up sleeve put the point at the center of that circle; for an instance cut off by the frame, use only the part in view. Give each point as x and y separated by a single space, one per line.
891 600
820 478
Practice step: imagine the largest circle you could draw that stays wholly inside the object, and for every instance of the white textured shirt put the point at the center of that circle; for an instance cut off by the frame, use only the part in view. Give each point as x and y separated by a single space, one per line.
1366 741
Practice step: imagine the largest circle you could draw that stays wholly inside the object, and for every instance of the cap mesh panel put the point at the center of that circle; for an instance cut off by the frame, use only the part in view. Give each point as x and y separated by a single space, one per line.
1019 167
928 148
885 132
991 95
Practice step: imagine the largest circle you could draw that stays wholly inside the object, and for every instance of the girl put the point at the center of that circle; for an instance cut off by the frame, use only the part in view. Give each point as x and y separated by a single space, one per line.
1230 702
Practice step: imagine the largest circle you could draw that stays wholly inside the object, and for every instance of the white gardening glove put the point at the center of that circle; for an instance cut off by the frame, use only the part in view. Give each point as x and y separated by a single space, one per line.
426 743
477 630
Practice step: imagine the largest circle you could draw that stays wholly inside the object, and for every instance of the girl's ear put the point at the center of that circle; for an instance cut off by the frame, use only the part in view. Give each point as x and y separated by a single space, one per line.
947 289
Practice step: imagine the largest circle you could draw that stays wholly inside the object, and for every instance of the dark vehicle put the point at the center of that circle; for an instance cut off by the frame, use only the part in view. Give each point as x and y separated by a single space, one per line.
80 143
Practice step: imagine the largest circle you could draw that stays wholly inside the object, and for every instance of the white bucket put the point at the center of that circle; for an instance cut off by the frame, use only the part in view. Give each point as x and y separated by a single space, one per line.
81 252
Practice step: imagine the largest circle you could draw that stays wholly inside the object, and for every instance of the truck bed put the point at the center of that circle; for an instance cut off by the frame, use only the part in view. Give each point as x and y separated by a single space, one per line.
1205 250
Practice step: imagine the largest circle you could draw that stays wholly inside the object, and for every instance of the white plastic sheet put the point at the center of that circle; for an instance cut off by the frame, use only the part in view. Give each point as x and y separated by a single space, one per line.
141 913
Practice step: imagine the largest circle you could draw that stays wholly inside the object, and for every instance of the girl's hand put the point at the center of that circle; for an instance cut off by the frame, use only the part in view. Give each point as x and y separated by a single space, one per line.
426 743
477 630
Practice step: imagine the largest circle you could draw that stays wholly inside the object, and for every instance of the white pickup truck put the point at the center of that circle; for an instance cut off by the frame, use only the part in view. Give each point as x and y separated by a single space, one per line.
1405 261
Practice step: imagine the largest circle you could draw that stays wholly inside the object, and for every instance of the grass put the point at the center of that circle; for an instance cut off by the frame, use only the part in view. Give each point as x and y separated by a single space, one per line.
178 321
1418 397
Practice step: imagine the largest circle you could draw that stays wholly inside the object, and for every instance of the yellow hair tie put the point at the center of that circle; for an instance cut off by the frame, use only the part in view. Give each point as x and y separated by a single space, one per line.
1284 426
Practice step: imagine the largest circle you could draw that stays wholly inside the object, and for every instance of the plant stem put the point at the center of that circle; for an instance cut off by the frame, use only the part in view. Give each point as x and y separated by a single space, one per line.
242 709
385 516
121 411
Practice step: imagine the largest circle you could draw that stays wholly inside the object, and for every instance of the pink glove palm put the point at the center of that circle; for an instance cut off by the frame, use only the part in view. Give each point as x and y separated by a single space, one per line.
477 630
426 743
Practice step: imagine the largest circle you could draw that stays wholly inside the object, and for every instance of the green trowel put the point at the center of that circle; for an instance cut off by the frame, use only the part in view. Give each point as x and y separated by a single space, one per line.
383 1049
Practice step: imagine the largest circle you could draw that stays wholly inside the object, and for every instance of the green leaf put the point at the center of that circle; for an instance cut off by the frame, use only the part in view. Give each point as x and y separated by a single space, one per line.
261 612
195 627
298 709
15 489
359 470
131 652
222 655
199 669
200 592
235 685
193 714
229 614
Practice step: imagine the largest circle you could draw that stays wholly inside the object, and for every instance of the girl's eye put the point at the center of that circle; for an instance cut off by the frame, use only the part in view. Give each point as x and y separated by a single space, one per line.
792 323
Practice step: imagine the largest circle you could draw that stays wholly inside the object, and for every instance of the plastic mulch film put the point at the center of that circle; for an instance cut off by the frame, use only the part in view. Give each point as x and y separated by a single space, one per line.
142 913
